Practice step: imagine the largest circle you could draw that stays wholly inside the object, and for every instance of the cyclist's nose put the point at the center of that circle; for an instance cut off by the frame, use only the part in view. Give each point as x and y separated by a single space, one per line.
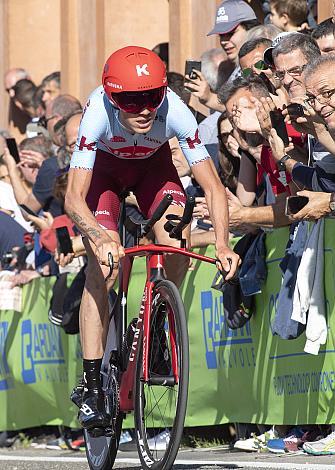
145 112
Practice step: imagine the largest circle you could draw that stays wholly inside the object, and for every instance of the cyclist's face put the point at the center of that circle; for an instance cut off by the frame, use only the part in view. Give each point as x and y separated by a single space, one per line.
140 123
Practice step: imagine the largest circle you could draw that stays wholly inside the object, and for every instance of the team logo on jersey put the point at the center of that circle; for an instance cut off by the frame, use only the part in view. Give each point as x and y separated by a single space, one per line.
142 70
118 138
91 146
193 142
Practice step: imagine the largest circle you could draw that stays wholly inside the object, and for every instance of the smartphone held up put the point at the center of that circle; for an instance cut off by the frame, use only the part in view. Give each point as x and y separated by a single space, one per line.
294 204
64 242
13 150
190 66
278 123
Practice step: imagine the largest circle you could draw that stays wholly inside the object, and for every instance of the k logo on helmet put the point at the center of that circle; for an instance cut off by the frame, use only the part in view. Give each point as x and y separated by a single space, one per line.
142 70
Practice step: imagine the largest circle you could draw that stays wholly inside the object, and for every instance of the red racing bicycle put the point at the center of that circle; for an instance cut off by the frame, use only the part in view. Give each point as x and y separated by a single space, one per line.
147 370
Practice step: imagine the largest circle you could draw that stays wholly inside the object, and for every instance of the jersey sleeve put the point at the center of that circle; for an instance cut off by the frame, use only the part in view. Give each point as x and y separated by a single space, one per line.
92 127
184 126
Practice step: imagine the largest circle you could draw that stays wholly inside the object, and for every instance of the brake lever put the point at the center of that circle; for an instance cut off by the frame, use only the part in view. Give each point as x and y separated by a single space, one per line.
111 266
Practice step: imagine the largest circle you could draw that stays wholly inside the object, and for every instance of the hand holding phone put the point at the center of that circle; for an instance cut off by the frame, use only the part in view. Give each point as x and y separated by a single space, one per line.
27 210
13 150
294 204
295 110
278 123
64 240
190 66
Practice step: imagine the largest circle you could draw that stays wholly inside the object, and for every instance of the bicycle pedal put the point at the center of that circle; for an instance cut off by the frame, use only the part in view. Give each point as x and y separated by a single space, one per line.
96 432
109 432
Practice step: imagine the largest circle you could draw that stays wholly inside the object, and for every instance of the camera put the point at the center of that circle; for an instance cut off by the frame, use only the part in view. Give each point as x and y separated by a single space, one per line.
6 259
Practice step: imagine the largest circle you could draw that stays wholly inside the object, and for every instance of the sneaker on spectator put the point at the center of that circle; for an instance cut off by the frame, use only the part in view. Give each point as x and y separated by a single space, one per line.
78 443
160 441
56 444
125 437
291 443
256 443
325 446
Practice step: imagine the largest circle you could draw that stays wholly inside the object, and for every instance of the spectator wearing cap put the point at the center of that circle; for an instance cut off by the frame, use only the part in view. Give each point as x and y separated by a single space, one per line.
289 15
233 19
324 35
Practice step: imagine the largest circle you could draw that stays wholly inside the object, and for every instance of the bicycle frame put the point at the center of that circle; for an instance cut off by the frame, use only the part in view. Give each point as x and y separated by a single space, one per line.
155 260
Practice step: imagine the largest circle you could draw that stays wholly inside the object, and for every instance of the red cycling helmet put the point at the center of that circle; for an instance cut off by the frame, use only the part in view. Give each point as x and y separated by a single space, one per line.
133 69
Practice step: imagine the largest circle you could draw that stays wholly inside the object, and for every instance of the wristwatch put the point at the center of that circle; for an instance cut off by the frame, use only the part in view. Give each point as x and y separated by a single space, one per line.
332 203
281 163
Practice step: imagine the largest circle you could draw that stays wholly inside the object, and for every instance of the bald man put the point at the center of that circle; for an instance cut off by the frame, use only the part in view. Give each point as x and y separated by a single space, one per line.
71 132
12 76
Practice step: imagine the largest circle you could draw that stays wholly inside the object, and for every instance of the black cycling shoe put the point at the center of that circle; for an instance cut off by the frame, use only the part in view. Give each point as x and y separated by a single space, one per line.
77 393
160 354
92 412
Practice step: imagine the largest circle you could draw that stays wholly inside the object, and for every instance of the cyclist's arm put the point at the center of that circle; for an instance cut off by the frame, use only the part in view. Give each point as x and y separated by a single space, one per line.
92 127
215 194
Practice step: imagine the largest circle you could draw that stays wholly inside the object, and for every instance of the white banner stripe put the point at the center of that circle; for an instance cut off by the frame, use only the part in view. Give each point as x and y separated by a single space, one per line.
283 465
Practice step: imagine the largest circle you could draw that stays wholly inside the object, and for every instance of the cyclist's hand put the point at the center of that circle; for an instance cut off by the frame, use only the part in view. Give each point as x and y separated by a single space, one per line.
109 246
228 262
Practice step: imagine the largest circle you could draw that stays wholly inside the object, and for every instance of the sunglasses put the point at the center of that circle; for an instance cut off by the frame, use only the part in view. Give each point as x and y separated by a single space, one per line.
43 121
259 65
137 101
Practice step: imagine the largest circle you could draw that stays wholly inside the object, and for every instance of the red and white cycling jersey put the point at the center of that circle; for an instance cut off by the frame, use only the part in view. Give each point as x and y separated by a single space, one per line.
100 128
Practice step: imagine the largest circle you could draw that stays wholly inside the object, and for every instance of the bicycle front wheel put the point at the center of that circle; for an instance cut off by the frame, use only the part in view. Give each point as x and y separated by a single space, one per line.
160 403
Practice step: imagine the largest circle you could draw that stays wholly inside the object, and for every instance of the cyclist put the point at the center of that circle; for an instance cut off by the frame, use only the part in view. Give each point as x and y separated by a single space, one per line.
123 145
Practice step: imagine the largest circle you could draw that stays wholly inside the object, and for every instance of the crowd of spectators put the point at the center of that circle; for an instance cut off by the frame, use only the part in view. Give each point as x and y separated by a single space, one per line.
270 130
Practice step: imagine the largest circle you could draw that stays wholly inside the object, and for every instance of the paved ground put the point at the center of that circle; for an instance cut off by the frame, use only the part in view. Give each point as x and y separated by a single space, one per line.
203 459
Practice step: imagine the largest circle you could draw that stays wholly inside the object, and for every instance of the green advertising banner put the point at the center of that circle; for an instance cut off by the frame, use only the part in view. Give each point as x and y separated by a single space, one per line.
246 375
39 364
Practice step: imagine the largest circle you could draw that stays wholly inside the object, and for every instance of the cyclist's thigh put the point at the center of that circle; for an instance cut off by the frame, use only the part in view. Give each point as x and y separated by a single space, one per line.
102 198
161 178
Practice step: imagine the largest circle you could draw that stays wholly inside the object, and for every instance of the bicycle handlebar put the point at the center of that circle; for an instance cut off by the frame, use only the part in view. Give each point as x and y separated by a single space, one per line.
175 229
163 205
